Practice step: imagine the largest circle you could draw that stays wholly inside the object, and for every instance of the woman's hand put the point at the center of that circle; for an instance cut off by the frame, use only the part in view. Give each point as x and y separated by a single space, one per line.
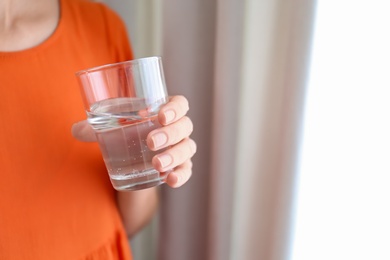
174 134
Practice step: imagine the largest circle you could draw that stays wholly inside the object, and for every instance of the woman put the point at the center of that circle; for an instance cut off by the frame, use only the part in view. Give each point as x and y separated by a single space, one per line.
56 201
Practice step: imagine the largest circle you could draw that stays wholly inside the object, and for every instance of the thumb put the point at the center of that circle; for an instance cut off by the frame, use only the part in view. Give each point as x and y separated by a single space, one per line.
82 131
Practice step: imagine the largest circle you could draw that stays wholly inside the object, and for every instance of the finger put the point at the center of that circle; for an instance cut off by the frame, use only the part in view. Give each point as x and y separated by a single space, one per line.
174 156
180 175
172 111
170 134
82 131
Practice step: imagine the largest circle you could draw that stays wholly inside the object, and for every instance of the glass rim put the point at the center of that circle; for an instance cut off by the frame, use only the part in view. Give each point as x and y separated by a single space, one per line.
112 65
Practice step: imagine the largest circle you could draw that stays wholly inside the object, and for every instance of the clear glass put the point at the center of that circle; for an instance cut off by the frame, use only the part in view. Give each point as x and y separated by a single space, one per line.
122 101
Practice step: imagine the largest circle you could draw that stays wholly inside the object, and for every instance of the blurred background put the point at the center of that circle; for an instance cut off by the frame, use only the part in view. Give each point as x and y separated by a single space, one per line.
290 103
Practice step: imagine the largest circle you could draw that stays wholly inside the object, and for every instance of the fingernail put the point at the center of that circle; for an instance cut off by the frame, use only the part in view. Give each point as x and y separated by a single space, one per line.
165 160
159 140
169 116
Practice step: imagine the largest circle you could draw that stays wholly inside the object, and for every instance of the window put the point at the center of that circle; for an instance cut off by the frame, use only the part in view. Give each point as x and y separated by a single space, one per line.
343 200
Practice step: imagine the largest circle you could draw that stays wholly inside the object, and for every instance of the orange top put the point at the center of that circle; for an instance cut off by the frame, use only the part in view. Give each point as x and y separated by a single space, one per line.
56 200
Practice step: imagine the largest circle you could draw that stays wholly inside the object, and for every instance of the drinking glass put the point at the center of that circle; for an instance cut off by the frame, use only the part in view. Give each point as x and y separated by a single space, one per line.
122 101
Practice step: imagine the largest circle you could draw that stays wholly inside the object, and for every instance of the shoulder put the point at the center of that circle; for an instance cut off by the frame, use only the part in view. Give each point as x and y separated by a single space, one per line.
100 25
91 13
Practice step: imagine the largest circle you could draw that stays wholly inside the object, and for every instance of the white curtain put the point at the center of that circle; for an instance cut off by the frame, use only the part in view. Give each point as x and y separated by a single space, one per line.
242 65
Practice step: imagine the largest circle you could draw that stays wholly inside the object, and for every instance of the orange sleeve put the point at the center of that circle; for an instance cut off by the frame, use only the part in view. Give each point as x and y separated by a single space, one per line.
117 35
